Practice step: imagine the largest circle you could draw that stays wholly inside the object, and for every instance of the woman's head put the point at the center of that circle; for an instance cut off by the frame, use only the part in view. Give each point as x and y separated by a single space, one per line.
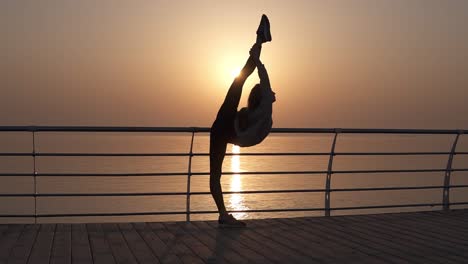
255 97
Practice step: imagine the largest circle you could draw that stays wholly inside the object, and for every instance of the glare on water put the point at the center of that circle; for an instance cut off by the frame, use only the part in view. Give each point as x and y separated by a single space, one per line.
236 201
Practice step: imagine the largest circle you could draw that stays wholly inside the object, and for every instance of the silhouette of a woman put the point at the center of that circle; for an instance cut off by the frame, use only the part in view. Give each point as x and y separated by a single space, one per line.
245 128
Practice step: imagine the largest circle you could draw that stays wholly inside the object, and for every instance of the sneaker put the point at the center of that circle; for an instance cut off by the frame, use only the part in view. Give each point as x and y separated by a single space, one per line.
230 222
263 31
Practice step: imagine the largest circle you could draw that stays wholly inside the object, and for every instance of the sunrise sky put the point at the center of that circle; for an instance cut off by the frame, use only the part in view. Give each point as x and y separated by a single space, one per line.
369 63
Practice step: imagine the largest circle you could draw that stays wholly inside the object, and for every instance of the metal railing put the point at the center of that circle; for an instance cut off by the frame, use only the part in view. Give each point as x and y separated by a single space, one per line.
192 131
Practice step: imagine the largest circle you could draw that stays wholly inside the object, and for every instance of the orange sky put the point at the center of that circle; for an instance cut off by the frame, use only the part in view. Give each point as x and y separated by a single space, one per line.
336 63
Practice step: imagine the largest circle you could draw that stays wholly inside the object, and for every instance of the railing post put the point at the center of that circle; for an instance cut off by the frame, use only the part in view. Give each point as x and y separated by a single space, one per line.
34 174
329 173
189 175
448 172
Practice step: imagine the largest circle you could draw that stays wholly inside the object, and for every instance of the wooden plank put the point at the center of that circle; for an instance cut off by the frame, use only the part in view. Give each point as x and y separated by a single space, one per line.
446 224
416 233
239 235
137 245
195 245
455 214
443 219
220 253
393 244
287 251
412 234
285 234
179 243
355 248
324 248
425 239
158 247
434 221
396 244
118 244
343 245
172 243
428 232
224 242
22 249
417 246
100 249
43 246
80 246
62 247
442 226
373 241
8 240
3 229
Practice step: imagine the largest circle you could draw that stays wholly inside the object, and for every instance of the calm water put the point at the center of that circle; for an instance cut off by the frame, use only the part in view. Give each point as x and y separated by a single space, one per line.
170 143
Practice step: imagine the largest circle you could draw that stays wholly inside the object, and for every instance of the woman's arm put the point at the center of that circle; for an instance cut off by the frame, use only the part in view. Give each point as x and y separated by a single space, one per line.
263 75
262 72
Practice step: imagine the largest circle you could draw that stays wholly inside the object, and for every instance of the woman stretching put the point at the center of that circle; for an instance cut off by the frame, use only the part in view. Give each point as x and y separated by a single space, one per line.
245 128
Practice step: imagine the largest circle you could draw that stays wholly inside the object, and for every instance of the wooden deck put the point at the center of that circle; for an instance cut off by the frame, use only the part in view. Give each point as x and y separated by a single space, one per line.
424 237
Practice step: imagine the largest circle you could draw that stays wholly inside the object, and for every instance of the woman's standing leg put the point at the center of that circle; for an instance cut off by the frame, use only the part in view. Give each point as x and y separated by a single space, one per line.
217 152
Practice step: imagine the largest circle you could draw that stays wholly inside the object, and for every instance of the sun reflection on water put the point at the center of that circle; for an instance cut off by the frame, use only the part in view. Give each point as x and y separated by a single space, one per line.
236 201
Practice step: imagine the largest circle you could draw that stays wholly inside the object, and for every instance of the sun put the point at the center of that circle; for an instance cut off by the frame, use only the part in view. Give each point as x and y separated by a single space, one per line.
235 72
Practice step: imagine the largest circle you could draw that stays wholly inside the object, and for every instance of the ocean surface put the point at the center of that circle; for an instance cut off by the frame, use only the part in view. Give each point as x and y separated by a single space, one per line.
180 143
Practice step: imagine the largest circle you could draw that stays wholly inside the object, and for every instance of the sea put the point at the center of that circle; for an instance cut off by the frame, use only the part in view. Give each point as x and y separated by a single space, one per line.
103 142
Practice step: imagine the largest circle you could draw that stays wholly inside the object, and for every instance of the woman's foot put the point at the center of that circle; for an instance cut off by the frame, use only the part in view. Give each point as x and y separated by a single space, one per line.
263 31
230 222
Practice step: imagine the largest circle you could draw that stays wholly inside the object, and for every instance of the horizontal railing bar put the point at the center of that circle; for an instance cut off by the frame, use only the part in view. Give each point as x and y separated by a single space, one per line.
90 194
95 174
229 192
112 154
387 206
179 212
100 129
395 171
262 210
95 194
234 211
271 154
152 193
14 174
227 154
17 195
206 129
16 154
262 191
17 215
337 189
156 174
160 213
401 131
160 154
395 188
395 153
113 214
225 173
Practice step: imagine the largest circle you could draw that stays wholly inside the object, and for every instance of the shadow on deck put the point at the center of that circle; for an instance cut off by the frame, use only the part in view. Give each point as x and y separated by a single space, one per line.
422 237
